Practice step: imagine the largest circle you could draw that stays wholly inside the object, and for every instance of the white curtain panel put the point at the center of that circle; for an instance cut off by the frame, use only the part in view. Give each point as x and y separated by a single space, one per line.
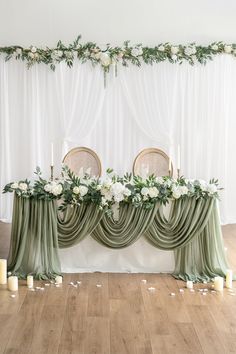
153 106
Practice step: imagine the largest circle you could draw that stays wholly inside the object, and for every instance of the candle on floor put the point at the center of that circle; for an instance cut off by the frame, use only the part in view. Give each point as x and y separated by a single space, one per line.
3 271
189 284
52 160
30 281
218 283
13 283
58 279
229 278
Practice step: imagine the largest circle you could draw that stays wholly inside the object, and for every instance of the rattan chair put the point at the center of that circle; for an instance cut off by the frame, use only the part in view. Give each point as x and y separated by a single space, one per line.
83 160
152 161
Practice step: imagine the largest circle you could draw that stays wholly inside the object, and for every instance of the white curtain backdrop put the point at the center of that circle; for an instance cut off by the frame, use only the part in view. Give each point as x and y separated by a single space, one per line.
153 106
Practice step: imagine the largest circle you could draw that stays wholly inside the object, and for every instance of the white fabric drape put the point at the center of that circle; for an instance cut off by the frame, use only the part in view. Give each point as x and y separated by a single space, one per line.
160 105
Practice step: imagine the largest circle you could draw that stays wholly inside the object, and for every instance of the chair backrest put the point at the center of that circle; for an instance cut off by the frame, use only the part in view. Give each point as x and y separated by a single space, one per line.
83 160
152 161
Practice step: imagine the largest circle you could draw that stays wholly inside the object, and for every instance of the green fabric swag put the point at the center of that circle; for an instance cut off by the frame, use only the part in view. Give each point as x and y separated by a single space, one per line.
34 243
77 222
132 223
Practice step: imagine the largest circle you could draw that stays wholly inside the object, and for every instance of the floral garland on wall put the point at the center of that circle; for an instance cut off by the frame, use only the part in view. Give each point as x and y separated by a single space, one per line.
113 190
108 56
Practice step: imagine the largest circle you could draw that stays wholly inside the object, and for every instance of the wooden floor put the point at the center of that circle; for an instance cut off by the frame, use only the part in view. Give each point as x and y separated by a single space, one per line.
122 316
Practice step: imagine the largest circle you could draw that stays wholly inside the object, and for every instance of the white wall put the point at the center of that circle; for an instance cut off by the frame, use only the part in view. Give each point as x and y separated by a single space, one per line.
44 22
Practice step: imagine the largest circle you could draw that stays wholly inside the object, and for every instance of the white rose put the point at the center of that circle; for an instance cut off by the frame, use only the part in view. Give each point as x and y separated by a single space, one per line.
183 190
83 190
33 49
76 190
14 185
174 57
18 51
118 197
144 191
136 51
153 192
48 188
56 190
145 197
203 185
215 47
211 188
31 55
105 59
161 48
160 180
228 48
176 192
127 192
174 49
190 51
108 196
107 183
23 186
103 202
117 188
99 187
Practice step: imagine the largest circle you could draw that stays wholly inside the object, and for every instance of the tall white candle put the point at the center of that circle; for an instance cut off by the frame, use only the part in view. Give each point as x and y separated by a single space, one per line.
178 158
52 160
3 271
218 283
169 168
13 283
229 278
30 281
58 279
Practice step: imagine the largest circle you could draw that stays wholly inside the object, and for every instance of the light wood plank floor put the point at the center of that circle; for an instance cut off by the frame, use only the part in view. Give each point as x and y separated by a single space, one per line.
122 316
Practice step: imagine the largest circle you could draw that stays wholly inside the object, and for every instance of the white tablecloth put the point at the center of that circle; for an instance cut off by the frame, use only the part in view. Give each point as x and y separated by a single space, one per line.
90 256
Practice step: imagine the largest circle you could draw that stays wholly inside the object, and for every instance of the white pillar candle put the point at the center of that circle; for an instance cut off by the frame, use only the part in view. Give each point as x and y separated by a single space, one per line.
3 271
30 281
229 279
13 283
58 279
218 283
189 284
52 160
178 158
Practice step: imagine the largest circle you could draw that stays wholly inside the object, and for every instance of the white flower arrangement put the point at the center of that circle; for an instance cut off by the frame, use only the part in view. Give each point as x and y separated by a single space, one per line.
135 190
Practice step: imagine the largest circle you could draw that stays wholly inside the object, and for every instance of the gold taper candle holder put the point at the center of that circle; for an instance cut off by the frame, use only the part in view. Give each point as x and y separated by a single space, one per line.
52 168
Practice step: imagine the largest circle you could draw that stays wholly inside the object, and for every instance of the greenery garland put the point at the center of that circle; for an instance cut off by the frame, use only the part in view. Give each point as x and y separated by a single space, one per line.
113 190
109 56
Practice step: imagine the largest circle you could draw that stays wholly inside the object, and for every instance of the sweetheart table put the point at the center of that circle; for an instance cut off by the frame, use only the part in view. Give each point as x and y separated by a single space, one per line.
43 239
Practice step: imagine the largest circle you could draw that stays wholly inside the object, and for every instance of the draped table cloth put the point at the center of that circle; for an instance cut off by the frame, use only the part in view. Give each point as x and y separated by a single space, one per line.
192 230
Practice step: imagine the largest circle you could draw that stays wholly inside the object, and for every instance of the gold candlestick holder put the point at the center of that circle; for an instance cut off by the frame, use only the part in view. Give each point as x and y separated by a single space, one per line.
178 173
52 172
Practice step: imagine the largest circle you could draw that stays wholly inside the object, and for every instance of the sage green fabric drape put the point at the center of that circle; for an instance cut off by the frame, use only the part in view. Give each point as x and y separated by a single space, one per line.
77 222
187 218
192 230
132 223
204 257
34 243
